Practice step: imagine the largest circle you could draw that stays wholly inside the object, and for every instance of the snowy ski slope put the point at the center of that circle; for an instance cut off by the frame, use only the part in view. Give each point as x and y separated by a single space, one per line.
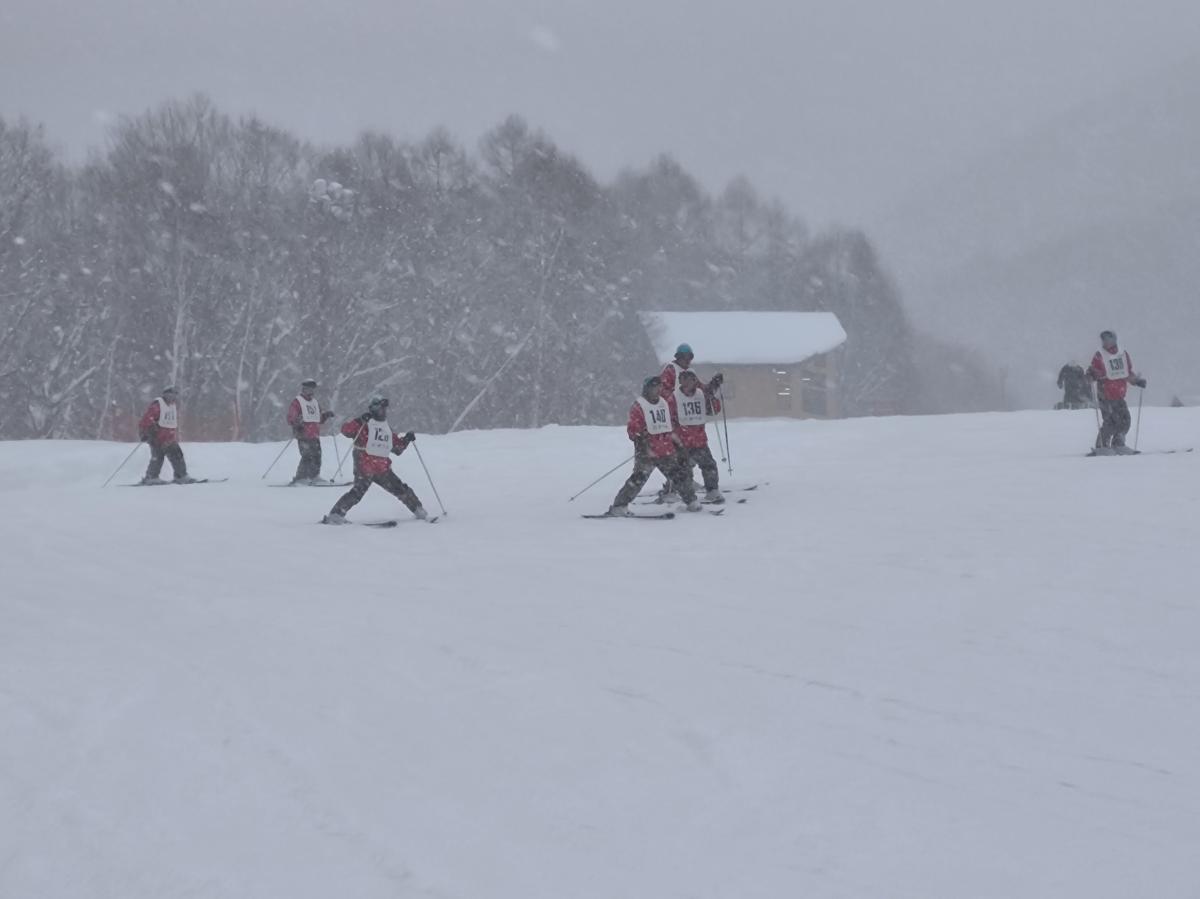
935 657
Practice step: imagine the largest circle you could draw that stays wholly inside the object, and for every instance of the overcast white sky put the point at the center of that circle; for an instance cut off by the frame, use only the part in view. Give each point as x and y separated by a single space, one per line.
838 107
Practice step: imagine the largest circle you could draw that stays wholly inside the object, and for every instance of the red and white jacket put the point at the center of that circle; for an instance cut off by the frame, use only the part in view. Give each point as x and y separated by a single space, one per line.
307 417
670 377
374 443
691 414
160 423
653 424
1112 373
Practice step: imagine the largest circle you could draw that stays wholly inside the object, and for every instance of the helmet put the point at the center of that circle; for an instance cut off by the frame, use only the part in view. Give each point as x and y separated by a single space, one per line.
169 390
653 379
1107 337
684 350
308 382
378 401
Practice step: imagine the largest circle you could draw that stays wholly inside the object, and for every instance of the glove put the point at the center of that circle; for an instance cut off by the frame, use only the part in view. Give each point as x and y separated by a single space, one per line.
364 418
410 437
326 415
717 380
146 437
1140 382
298 431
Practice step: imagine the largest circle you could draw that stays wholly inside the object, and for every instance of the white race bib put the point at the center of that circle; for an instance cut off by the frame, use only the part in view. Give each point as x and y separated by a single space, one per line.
658 416
1116 365
379 438
168 414
310 410
690 408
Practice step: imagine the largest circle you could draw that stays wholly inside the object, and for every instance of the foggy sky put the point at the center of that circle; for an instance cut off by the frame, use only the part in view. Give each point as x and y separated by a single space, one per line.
839 108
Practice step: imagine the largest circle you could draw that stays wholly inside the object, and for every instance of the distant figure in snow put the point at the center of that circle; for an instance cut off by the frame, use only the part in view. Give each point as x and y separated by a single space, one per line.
1077 390
651 427
305 416
692 405
681 363
374 442
159 427
1112 370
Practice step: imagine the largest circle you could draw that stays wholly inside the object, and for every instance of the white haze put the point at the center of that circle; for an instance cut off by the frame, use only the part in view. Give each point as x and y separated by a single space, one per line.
844 111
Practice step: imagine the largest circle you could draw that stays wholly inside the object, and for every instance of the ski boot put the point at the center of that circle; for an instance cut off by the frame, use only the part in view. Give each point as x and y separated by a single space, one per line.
618 512
334 518
420 514
714 496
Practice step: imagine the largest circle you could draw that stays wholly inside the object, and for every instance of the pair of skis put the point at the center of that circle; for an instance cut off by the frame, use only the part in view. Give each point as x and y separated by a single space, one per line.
315 484
657 516
1096 452
186 483
385 523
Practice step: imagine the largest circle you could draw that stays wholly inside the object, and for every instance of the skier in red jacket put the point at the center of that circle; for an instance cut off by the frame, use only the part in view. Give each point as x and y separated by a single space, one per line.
651 427
374 442
159 427
1112 370
305 416
681 363
692 405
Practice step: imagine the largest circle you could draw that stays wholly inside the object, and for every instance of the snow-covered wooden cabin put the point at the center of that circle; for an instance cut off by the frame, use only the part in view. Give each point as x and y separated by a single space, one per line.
776 364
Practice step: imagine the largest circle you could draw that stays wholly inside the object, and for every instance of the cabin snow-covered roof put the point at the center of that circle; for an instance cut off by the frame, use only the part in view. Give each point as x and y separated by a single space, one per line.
745 338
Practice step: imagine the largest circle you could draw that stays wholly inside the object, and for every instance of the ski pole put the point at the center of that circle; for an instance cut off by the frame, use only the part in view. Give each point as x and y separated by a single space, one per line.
122 465
429 478
601 478
277 458
341 459
333 437
717 428
725 420
1138 430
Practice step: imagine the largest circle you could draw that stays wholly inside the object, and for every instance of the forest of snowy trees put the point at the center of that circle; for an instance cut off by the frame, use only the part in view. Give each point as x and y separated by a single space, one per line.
478 289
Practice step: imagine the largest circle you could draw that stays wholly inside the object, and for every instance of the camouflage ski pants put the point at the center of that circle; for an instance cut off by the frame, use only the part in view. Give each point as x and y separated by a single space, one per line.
1117 421
388 481
673 470
310 458
171 451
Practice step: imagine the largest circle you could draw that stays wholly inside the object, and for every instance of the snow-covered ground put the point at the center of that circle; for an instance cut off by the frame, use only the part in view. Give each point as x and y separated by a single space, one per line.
935 657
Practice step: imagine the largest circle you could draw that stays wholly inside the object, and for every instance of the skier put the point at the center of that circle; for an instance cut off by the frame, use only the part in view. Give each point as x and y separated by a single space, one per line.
1073 382
305 416
692 405
681 363
1112 370
374 440
159 427
652 430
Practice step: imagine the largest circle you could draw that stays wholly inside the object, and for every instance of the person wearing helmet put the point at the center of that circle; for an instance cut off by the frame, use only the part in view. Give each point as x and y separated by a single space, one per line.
681 363
1112 370
305 417
691 405
651 427
159 427
374 443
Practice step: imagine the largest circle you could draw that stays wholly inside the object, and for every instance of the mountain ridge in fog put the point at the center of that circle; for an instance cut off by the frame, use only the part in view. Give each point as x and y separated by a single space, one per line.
1091 221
